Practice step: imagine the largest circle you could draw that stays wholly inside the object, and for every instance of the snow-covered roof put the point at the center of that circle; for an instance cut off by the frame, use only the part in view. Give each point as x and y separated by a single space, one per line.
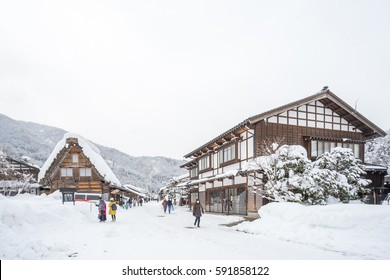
89 150
181 177
136 190
374 167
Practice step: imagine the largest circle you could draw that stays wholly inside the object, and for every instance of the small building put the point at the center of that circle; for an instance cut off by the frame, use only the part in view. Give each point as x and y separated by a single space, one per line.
75 163
126 191
318 122
379 187
18 176
23 167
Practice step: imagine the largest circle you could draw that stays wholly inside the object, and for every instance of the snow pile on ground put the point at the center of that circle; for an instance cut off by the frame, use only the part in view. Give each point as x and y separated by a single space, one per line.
355 229
38 227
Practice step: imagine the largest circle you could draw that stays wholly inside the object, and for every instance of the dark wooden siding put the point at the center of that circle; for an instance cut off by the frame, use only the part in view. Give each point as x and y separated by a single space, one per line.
83 184
295 135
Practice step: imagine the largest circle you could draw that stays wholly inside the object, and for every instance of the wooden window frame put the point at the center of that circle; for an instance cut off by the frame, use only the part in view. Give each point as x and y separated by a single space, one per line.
231 161
66 176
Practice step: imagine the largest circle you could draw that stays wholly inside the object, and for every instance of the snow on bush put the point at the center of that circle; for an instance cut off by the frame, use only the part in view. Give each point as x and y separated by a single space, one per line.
288 175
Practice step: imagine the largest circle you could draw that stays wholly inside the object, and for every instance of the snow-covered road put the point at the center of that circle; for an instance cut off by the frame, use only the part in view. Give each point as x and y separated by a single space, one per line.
43 228
147 233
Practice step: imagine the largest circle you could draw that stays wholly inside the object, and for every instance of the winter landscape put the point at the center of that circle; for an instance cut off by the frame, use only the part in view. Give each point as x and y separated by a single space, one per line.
273 113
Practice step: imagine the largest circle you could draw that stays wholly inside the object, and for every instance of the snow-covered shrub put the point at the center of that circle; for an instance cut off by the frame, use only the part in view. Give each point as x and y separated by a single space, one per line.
347 171
288 175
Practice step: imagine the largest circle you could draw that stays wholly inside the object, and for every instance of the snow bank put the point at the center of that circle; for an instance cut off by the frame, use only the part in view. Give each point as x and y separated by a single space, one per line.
354 229
28 223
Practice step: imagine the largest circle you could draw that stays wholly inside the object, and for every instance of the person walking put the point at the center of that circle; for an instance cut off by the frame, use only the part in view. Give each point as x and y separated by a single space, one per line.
169 204
197 211
102 210
112 209
164 204
130 202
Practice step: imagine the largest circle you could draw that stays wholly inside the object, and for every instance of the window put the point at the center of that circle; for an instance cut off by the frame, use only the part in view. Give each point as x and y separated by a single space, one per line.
193 172
66 172
292 121
320 110
327 147
85 172
356 150
282 120
273 119
204 163
75 158
292 114
227 154
320 147
314 150
302 123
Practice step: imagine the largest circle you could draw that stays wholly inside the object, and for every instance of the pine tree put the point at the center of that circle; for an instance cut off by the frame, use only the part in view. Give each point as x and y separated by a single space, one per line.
283 172
347 172
288 175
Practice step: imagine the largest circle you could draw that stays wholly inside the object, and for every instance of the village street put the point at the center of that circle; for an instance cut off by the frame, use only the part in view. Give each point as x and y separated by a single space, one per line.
43 228
147 233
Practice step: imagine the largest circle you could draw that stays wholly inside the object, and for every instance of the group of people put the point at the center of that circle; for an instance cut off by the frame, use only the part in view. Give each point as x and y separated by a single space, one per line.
197 209
112 207
167 204
132 202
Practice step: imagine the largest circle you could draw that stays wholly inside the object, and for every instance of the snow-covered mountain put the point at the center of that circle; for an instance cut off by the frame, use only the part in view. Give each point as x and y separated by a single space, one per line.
19 138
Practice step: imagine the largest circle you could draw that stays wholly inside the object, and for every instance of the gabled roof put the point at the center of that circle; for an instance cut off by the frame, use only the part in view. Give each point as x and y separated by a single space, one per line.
92 152
328 98
333 102
13 161
135 190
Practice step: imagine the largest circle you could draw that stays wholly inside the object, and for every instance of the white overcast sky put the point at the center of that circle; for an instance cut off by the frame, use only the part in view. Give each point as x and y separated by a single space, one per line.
164 77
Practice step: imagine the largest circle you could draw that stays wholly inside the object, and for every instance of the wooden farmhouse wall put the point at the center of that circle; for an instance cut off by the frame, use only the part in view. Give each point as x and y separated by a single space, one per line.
74 163
297 135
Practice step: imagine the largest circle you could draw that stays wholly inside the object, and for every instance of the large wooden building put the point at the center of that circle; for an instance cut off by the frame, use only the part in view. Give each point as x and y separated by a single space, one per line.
318 123
75 163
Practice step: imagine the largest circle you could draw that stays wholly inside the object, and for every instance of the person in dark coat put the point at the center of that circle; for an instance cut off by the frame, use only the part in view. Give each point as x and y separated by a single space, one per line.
102 210
164 204
197 211
170 206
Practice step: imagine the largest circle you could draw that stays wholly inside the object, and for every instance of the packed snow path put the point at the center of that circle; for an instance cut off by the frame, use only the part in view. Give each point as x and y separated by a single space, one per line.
147 233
